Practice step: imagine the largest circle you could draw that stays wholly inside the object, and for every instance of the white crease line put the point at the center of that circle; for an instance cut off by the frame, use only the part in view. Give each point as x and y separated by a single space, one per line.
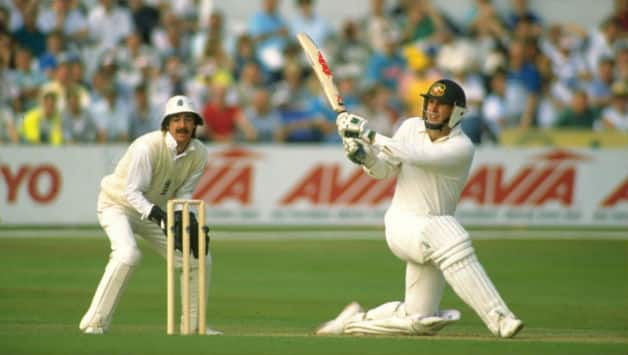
331 234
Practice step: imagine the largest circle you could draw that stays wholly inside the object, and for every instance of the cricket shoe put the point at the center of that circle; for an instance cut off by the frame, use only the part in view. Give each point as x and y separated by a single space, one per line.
94 330
336 326
509 327
210 331
430 325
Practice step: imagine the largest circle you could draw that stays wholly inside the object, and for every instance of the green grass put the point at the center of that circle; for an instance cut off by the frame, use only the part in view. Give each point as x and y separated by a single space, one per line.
268 297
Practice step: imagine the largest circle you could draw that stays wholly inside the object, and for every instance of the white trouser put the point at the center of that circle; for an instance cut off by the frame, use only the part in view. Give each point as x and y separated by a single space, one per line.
121 226
435 248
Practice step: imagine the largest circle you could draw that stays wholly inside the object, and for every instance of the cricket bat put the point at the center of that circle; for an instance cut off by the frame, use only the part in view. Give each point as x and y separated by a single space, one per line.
323 73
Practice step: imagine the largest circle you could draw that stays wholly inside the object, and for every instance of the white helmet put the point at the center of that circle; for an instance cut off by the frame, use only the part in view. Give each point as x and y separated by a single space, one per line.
179 104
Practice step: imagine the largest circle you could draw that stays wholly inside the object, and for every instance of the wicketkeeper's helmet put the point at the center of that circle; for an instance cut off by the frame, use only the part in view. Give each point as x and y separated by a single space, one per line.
448 92
179 104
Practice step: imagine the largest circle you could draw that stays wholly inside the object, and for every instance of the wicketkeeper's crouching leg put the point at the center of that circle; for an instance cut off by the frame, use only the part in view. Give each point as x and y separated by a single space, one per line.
111 286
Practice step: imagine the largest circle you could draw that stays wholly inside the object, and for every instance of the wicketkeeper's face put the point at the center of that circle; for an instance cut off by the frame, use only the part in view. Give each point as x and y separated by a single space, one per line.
181 127
437 112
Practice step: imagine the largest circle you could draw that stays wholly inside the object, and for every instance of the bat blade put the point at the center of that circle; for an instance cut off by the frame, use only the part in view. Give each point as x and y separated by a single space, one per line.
323 73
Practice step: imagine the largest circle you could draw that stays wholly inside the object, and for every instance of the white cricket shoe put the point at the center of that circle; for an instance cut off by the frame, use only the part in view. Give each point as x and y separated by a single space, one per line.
94 330
509 327
336 326
210 331
430 325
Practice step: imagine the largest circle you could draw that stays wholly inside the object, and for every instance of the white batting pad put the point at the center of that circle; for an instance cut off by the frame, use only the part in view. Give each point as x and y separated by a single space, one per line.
470 282
110 288
398 324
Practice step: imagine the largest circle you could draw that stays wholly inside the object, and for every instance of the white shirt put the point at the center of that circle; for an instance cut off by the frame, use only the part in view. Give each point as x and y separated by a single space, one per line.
151 172
108 28
430 174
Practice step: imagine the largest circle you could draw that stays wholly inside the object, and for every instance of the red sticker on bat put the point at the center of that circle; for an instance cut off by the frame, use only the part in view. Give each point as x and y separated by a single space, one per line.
323 63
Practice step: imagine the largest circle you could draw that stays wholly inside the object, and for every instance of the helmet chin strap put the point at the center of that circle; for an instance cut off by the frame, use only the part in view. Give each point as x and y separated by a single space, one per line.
434 126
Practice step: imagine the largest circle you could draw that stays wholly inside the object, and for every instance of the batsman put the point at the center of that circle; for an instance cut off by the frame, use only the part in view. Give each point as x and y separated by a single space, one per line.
430 156
157 166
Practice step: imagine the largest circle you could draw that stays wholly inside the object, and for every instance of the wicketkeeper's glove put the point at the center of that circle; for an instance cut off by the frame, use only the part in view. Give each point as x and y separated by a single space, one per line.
359 151
354 126
158 216
178 233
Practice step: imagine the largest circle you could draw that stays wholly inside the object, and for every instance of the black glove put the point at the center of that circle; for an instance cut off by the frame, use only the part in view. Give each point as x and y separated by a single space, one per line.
158 216
178 233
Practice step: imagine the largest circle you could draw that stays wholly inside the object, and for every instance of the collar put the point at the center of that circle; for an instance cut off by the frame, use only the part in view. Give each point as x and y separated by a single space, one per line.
171 143
456 131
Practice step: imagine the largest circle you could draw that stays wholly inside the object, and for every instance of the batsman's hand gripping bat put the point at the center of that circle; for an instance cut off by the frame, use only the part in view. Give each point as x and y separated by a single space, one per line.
320 67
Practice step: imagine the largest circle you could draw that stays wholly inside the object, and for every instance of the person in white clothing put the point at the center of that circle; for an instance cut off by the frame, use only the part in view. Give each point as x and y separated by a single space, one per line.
157 166
430 156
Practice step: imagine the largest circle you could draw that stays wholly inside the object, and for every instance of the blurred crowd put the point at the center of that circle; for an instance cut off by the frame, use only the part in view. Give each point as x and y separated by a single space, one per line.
86 71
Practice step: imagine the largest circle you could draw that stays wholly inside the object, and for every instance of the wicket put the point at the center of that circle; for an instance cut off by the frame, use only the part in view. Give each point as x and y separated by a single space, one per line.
185 286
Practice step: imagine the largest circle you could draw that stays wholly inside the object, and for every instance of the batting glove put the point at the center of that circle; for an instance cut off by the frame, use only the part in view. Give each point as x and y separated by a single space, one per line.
359 151
354 126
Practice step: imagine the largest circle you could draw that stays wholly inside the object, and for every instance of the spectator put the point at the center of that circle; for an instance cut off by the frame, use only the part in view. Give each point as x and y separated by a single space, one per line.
388 66
555 95
416 80
5 18
524 83
145 18
494 108
62 81
111 116
483 18
601 41
264 118
245 53
18 9
169 39
422 23
382 117
620 12
26 80
171 81
521 13
562 47
579 115
599 89
250 80
144 117
8 131
109 24
224 121
55 45
64 16
130 59
29 35
349 49
615 117
43 124
301 122
621 63
377 25
270 32
78 124
307 21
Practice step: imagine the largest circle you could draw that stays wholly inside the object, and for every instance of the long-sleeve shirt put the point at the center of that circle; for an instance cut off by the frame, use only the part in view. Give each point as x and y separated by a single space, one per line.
151 172
430 174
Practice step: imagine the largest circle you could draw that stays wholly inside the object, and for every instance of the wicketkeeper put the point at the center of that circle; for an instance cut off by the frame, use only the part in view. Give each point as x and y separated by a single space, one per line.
431 158
157 166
